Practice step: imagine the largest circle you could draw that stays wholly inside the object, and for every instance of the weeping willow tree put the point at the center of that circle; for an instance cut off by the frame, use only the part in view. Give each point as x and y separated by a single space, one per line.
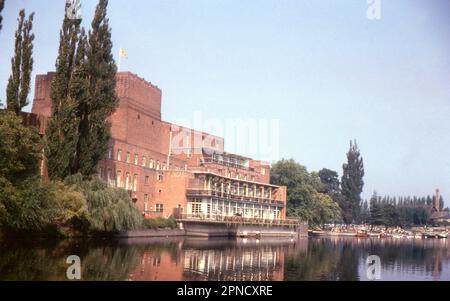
110 210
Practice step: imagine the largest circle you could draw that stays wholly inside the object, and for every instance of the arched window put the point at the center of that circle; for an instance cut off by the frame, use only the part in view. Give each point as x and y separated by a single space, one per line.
119 179
127 181
135 182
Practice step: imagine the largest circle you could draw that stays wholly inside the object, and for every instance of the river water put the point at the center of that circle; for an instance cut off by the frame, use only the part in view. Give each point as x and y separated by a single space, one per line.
332 259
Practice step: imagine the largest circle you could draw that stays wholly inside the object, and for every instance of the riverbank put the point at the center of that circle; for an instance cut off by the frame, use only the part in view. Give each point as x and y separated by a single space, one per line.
383 232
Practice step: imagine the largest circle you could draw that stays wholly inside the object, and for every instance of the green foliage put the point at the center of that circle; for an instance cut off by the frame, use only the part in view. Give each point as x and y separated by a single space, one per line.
20 149
62 132
352 184
405 212
110 209
21 65
160 223
303 200
83 96
101 100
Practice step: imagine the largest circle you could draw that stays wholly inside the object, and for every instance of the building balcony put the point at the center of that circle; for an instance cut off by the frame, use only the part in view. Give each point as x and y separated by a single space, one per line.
236 219
226 163
233 197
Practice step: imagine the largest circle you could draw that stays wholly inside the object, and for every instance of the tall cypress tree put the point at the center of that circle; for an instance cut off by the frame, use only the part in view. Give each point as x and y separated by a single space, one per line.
94 128
352 184
21 65
2 5
62 132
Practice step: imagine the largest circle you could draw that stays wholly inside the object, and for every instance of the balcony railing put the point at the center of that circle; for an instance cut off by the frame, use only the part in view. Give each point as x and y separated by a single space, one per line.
232 196
226 163
239 220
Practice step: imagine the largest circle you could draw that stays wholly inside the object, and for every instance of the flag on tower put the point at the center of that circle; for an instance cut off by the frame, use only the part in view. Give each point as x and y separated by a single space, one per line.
123 53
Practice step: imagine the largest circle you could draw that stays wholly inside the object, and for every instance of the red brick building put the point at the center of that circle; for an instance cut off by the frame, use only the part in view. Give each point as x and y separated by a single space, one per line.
171 170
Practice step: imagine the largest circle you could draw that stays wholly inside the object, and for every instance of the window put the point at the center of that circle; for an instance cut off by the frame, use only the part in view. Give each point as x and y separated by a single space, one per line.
158 165
109 154
109 178
144 161
127 181
151 164
196 207
145 202
128 158
136 159
135 182
119 179
160 177
159 208
263 171
146 181
119 155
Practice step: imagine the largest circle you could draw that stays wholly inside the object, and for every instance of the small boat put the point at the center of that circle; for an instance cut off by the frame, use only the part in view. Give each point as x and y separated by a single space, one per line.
316 233
442 235
362 233
429 235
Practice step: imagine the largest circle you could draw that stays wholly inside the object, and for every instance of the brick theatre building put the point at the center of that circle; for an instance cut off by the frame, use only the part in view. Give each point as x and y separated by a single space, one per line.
169 170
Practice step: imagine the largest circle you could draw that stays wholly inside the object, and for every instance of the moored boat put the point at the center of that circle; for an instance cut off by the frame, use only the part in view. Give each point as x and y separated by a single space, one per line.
362 233
442 235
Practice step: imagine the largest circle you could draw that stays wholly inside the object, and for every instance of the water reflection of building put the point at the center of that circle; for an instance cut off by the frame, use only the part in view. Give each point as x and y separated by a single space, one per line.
224 260
158 267
226 265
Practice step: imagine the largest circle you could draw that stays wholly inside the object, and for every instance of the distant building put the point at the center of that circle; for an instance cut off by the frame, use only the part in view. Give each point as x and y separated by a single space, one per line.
437 215
170 170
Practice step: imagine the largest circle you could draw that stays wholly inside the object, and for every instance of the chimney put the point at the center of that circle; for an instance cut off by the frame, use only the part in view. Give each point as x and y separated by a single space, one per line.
437 200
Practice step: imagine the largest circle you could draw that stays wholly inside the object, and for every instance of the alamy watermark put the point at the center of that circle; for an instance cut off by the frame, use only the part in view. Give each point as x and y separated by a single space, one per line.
256 138
74 270
373 9
373 271
73 9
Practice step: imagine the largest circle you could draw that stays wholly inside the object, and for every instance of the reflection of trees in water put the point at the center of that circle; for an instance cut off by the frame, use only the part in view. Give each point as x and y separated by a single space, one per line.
412 256
38 260
341 258
190 259
325 259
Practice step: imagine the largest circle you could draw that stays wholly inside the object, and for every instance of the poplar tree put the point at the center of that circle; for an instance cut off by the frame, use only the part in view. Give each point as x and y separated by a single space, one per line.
352 184
21 64
62 132
94 127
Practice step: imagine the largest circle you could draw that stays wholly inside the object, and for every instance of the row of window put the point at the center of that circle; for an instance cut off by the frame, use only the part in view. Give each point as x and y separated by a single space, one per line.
159 208
126 181
152 164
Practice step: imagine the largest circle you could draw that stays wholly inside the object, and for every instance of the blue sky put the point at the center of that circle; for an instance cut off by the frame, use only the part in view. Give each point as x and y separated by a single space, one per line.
322 68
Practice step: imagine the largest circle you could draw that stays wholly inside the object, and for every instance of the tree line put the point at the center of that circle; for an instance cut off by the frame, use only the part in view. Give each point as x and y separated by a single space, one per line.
321 197
403 211
75 201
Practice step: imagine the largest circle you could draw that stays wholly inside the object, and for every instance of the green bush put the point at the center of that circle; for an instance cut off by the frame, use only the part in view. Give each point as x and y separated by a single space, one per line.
110 209
160 223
